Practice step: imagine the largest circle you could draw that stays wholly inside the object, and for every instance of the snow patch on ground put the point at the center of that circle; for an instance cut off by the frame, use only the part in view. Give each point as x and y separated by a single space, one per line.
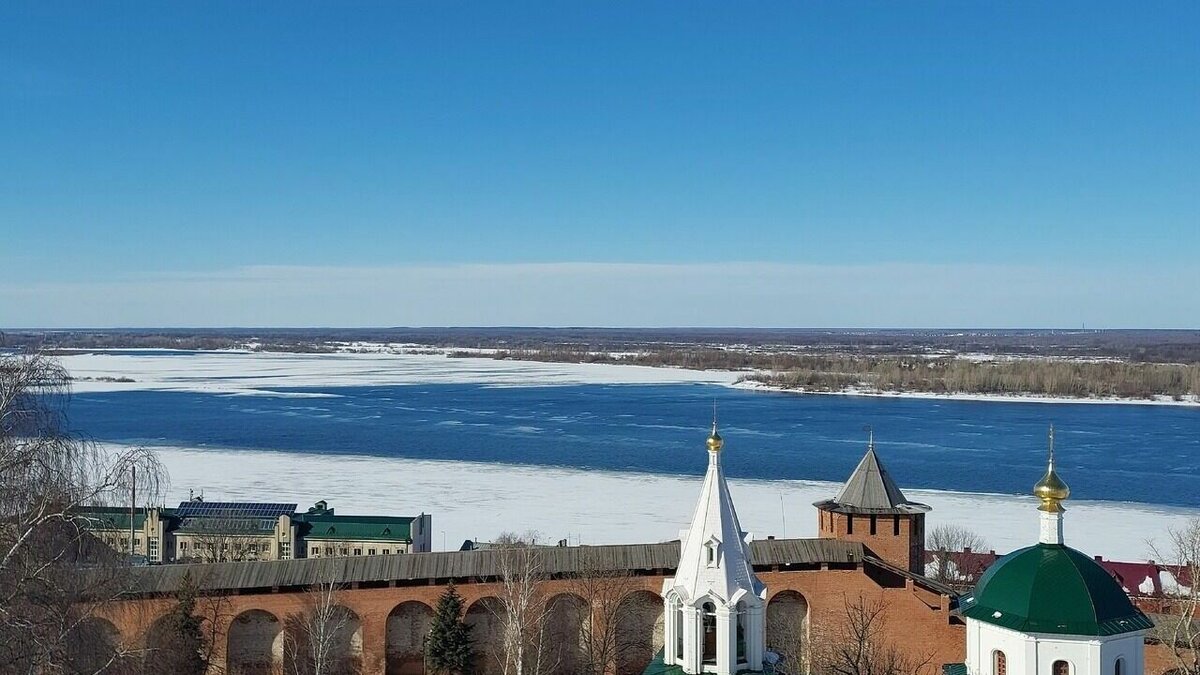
475 500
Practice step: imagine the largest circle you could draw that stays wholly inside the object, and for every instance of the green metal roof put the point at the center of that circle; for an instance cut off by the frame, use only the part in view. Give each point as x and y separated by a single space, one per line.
358 528
110 517
1052 589
954 669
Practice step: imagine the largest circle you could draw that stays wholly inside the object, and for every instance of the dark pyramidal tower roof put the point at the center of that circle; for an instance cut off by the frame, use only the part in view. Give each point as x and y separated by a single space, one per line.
871 490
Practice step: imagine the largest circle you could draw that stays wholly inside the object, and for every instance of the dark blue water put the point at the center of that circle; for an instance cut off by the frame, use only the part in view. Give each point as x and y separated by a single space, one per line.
1110 452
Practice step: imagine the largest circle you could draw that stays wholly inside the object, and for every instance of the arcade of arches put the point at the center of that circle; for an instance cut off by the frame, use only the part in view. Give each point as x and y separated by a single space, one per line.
385 626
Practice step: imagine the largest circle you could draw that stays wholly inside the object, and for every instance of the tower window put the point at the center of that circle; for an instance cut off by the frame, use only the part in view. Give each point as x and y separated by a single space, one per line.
896 525
873 520
999 663
710 552
1060 668
1119 666
849 524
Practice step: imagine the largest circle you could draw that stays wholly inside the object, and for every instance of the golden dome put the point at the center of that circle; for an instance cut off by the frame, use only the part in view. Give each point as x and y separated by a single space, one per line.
1051 489
715 442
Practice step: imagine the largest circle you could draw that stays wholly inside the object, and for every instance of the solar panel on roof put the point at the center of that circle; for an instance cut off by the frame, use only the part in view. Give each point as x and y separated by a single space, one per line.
233 510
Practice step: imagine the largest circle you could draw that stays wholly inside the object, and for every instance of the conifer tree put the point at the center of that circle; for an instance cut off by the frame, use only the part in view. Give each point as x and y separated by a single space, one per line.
448 648
181 639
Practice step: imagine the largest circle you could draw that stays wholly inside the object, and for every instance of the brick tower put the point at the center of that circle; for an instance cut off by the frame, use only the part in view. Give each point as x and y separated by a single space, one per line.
872 510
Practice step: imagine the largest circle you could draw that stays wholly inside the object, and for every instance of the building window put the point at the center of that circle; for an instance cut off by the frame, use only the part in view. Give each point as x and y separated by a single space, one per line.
345 551
1060 668
254 548
709 635
849 524
285 550
358 551
370 551
316 551
873 520
153 548
385 551
999 663
711 552
742 617
183 546
1119 666
896 525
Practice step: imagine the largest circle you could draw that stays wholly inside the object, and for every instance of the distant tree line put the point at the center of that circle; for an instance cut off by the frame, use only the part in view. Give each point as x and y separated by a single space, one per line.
1156 346
941 375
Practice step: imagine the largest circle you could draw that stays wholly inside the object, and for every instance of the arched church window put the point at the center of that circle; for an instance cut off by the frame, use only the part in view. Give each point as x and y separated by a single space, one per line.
1060 668
677 609
999 663
742 618
1119 666
710 633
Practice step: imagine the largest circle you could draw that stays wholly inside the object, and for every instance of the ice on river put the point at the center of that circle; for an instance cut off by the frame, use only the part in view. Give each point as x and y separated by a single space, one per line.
257 373
473 500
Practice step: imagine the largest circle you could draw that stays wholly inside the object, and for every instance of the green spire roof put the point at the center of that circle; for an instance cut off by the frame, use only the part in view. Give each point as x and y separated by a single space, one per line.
1052 589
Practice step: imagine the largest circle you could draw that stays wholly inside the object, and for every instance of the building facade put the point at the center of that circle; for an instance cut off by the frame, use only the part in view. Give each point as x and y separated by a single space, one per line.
714 605
198 531
1048 609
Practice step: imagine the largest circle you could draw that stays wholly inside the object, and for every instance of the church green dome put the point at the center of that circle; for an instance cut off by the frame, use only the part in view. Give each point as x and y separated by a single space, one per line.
1050 588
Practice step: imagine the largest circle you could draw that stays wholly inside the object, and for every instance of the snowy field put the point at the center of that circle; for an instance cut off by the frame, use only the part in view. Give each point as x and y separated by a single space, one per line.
470 500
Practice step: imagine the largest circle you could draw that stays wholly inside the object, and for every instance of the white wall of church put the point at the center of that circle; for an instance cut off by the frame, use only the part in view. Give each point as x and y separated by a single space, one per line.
1035 654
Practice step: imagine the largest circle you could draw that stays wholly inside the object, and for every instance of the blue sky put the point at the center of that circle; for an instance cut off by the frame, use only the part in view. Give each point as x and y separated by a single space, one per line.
249 164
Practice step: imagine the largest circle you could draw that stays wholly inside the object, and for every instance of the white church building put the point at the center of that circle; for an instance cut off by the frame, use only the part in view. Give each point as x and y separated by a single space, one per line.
714 606
1048 609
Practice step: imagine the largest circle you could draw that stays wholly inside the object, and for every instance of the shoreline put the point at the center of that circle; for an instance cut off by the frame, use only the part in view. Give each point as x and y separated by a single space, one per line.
749 385
92 381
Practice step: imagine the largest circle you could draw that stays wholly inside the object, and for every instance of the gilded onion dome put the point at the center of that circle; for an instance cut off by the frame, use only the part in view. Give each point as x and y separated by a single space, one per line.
1051 489
715 442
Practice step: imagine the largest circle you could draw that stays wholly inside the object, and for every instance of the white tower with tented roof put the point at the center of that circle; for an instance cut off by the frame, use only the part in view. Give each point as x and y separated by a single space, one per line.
714 605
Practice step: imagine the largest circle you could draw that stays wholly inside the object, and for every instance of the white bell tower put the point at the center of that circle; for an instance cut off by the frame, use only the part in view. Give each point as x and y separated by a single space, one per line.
714 605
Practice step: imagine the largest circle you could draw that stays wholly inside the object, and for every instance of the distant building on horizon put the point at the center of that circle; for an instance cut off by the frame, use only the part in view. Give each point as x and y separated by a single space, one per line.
200 531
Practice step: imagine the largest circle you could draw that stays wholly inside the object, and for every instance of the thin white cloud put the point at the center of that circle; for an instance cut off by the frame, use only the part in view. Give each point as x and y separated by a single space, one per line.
620 294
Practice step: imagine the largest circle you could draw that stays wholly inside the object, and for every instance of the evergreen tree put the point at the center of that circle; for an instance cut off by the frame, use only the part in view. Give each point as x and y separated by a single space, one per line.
179 637
448 648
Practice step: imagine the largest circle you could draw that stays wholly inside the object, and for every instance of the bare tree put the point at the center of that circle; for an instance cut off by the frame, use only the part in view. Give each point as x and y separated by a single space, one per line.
858 645
317 641
608 636
523 606
787 636
225 538
944 542
47 474
1179 629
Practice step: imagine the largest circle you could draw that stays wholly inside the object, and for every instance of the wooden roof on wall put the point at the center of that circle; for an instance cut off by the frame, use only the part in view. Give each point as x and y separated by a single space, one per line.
407 568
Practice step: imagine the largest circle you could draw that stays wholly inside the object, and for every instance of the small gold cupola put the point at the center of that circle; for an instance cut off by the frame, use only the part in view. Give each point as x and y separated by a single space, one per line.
715 442
1051 489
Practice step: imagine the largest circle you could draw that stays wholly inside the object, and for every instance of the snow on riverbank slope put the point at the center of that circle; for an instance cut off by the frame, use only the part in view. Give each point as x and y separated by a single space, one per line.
470 500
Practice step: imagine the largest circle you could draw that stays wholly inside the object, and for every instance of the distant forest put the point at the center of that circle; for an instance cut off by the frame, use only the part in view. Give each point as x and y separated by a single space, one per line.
941 375
1064 363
